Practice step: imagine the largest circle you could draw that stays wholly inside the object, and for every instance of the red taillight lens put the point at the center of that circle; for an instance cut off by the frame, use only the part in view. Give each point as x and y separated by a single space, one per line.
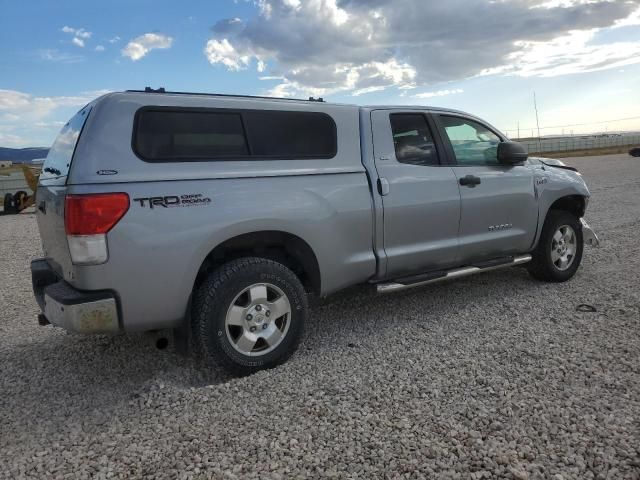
95 213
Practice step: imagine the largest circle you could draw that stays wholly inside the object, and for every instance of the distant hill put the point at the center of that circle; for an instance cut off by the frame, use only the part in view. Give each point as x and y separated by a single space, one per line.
21 155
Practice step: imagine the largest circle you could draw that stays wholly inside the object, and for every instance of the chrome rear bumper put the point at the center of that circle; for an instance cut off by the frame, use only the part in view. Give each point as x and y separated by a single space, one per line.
589 236
69 308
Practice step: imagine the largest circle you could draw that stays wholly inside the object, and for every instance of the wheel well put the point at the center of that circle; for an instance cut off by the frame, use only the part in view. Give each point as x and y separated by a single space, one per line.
282 247
575 204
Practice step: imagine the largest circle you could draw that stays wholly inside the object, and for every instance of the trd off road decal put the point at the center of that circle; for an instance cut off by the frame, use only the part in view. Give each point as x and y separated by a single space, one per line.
189 200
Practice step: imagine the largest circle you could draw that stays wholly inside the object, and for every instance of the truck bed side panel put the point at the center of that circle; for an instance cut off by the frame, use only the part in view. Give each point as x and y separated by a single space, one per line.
155 253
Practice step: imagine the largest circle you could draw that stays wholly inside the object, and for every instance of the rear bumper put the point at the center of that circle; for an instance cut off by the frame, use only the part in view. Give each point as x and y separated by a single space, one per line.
589 236
74 310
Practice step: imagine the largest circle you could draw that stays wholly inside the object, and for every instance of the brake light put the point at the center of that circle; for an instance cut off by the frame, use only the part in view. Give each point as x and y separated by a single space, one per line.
94 213
87 219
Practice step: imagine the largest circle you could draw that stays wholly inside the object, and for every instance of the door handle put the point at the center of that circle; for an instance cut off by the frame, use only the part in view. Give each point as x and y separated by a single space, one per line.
470 181
383 186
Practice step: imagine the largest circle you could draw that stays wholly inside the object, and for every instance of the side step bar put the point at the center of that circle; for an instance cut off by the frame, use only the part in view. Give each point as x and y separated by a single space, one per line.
389 287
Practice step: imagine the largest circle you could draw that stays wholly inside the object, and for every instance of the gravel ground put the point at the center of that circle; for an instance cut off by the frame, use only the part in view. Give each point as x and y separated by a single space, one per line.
494 376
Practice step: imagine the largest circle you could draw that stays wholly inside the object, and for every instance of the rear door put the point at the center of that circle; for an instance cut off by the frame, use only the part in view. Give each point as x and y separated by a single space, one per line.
51 193
499 209
420 195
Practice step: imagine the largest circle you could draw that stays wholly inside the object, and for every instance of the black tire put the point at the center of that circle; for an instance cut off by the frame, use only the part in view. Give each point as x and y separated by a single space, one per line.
216 295
542 266
18 198
8 203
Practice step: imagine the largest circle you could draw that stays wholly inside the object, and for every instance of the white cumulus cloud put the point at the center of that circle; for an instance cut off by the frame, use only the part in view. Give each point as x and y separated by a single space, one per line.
570 54
221 51
21 113
142 45
80 35
439 93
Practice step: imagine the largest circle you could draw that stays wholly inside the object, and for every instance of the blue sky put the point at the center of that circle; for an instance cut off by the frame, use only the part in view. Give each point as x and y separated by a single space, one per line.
581 57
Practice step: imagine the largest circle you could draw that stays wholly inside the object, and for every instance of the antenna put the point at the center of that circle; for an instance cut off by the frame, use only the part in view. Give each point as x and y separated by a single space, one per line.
535 106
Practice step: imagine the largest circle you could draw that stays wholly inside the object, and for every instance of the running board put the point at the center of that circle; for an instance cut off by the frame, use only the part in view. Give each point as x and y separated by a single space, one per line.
456 273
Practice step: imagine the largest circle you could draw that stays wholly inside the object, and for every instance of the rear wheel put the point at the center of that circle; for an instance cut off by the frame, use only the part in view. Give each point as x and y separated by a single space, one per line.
249 315
559 251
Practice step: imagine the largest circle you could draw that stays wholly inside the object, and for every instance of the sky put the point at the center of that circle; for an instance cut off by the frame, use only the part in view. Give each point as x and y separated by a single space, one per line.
487 57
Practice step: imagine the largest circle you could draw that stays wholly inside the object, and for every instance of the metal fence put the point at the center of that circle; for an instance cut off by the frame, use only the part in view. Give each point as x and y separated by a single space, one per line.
583 142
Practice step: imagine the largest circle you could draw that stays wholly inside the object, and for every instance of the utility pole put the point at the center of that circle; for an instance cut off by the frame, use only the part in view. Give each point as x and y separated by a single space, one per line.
518 129
535 106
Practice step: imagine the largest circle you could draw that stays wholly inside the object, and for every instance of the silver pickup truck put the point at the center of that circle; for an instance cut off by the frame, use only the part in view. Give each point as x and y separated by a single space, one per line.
217 215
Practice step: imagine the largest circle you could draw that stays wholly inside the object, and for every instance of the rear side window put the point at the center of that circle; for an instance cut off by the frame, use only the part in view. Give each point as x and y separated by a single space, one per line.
291 134
169 134
412 139
56 166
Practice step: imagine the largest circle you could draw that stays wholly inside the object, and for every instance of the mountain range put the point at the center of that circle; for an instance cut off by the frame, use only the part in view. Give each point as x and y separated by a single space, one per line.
22 155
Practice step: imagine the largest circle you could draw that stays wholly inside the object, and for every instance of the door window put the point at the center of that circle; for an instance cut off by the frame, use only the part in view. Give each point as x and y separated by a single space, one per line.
412 139
472 142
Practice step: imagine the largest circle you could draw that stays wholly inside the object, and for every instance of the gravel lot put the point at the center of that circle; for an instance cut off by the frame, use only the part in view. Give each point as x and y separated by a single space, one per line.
494 376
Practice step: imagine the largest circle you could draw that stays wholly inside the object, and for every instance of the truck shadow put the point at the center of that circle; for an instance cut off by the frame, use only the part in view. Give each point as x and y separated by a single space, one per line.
358 314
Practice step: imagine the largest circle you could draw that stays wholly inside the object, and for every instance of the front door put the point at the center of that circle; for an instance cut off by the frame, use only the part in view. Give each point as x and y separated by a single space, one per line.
499 209
420 194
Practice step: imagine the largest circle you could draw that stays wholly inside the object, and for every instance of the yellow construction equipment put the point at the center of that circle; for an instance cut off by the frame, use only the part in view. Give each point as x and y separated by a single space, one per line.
21 200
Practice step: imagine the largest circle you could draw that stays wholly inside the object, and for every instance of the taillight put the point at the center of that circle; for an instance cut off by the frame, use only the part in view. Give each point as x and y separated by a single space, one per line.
94 213
87 219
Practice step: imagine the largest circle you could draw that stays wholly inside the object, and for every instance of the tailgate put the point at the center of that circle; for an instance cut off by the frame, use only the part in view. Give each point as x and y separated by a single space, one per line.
52 189
50 215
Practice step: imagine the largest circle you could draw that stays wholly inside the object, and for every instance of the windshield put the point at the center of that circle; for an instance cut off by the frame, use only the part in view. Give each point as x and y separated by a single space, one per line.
56 165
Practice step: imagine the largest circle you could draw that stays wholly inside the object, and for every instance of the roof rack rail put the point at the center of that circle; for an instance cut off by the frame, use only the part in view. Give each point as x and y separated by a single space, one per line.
151 90
226 95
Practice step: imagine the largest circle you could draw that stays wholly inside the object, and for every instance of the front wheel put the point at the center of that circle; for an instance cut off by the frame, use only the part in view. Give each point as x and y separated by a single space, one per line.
559 251
249 315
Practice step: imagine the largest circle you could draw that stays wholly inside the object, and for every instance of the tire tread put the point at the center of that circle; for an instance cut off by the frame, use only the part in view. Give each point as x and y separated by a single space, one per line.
209 294
540 266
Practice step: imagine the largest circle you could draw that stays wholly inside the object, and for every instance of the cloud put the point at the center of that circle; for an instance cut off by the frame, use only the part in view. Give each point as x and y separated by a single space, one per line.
39 107
115 39
227 25
54 55
21 113
364 91
439 93
79 35
223 52
328 46
99 48
570 54
140 46
631 20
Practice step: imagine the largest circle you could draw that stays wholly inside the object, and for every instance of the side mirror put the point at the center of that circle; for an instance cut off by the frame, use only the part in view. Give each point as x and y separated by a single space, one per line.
512 153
